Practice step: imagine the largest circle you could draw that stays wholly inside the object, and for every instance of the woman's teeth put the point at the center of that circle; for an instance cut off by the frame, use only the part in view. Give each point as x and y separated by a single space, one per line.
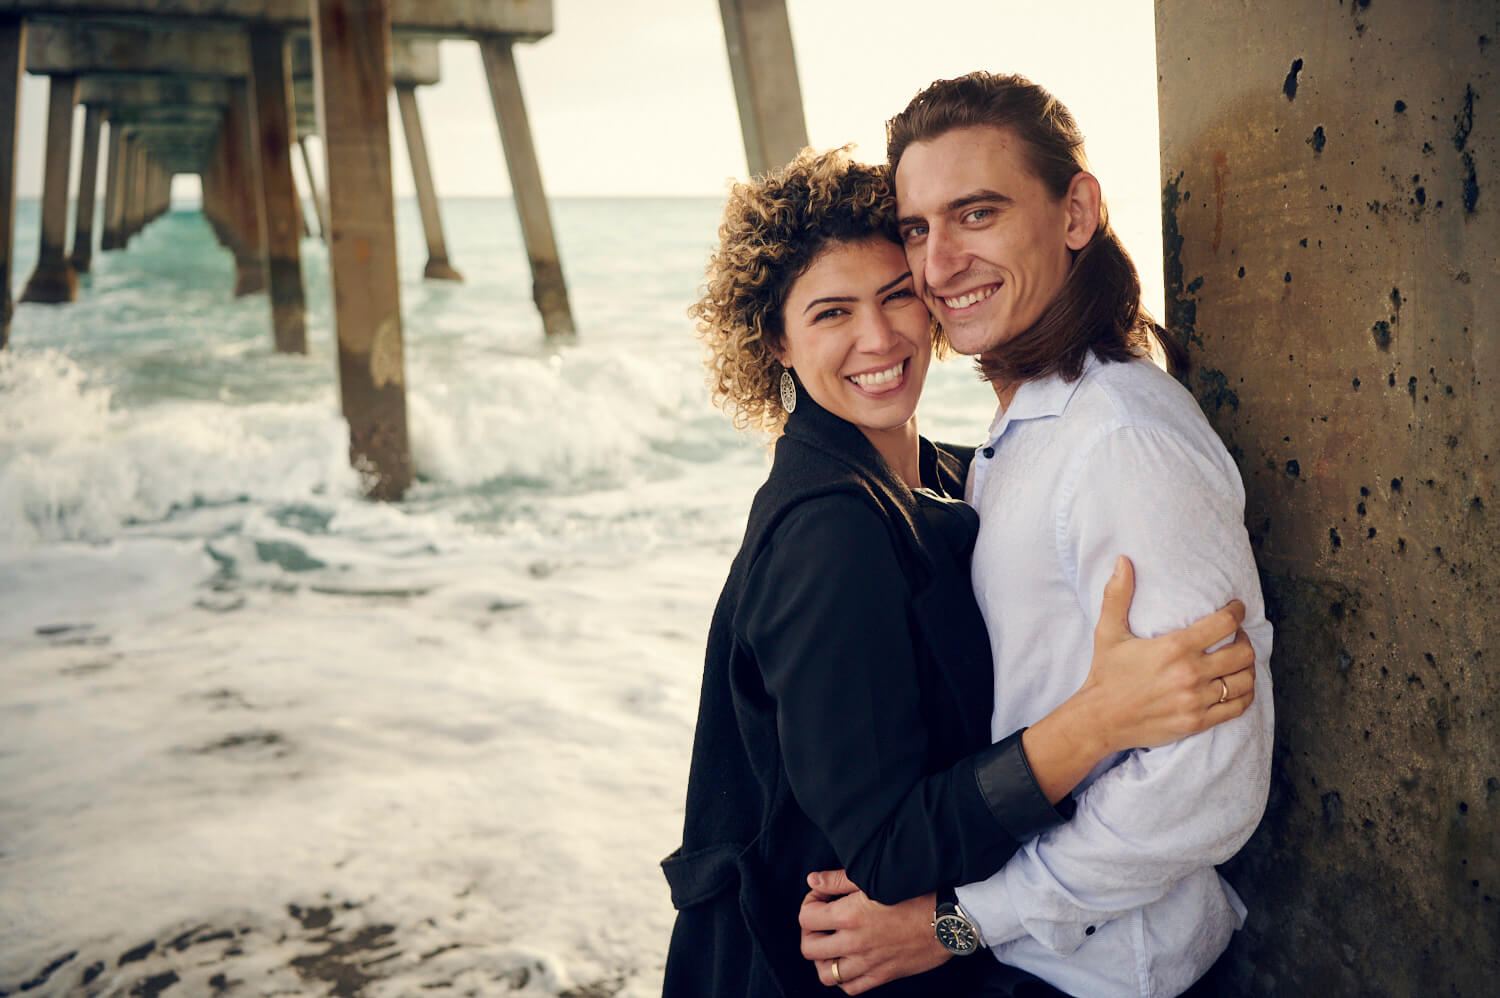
876 378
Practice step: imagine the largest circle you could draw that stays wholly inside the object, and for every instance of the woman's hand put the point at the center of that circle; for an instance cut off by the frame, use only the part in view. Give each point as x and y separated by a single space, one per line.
1142 692
1152 691
871 943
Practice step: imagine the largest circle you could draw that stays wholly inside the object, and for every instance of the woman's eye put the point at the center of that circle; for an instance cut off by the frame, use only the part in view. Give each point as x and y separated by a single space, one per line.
902 293
828 313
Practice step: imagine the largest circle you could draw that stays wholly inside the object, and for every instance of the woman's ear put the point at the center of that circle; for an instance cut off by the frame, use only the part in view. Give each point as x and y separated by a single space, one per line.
1084 201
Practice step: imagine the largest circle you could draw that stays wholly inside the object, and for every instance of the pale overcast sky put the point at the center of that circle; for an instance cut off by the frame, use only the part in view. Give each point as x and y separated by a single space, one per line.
635 98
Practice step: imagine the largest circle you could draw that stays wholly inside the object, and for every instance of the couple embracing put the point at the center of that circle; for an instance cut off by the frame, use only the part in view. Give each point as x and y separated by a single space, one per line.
932 756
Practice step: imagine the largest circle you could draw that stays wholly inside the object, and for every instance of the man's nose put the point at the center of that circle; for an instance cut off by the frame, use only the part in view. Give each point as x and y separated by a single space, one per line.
944 260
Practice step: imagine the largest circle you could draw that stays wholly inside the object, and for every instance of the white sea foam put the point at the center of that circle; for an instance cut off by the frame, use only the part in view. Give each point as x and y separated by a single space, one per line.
280 732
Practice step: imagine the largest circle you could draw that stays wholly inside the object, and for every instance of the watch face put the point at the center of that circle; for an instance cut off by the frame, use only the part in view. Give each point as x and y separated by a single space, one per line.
956 934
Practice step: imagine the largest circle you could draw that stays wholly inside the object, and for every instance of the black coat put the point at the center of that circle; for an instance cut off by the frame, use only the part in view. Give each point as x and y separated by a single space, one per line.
847 682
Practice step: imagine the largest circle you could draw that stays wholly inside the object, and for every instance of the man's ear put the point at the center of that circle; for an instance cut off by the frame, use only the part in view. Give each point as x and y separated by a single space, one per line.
1084 201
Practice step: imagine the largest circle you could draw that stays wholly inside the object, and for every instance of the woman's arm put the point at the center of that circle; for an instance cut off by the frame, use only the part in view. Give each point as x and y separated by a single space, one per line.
1141 692
826 611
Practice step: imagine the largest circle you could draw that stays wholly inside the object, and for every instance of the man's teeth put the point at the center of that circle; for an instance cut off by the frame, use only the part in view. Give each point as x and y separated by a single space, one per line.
875 378
964 301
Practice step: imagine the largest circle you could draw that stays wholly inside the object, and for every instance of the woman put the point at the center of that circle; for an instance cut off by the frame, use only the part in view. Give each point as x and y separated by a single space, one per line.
844 717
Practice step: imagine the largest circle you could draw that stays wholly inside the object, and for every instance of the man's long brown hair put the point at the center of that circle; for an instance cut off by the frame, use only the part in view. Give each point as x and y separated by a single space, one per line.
1099 307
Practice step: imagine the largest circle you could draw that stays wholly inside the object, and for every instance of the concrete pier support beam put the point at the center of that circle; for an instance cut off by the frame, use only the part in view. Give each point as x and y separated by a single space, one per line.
758 37
548 289
246 227
53 280
135 210
272 101
351 43
1331 188
88 179
114 191
438 267
12 65
320 204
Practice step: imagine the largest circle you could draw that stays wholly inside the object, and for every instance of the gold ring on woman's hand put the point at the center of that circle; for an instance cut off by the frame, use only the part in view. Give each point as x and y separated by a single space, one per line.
837 977
1225 694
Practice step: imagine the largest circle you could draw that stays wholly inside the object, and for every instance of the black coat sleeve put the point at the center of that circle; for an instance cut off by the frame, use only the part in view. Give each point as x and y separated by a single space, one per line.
826 612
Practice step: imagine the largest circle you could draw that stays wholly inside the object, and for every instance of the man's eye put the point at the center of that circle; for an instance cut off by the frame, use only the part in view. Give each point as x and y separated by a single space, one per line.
978 214
914 234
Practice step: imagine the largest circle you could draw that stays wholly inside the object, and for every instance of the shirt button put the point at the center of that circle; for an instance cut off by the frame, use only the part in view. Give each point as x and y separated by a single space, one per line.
988 452
1089 931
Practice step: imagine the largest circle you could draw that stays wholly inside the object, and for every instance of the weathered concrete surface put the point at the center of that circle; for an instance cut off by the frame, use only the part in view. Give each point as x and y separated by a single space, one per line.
548 288
758 38
1331 179
12 65
351 39
527 20
88 177
53 280
271 94
438 268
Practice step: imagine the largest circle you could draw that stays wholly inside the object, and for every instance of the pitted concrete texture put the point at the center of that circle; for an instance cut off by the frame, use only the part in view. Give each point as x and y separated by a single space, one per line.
1330 185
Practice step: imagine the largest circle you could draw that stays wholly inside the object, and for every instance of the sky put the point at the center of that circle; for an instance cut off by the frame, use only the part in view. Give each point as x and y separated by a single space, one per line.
636 99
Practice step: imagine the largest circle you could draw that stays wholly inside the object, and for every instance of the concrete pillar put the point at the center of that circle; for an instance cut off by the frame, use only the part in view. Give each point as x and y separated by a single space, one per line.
320 205
758 37
272 104
241 190
351 45
432 223
1330 198
114 203
135 212
88 179
128 163
12 65
548 289
53 280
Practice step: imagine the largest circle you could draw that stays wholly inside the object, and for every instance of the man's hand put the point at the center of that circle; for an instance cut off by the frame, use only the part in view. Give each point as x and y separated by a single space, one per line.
872 943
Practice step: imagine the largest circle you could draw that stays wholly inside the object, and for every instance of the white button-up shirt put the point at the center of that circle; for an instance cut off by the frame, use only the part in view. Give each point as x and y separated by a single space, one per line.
1123 899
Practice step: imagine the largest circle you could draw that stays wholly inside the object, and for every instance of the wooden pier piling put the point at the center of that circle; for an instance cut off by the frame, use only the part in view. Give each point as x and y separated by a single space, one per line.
758 37
437 267
12 65
53 281
548 289
351 44
88 177
272 101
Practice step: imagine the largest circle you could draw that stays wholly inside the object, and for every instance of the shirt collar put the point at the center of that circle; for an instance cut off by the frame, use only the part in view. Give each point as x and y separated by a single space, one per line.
1040 398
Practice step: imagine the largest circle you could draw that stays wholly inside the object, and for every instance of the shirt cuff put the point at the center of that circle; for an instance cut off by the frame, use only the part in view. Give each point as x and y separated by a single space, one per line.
1010 790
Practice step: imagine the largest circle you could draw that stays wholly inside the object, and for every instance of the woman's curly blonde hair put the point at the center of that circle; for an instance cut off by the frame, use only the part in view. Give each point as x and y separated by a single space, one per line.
774 227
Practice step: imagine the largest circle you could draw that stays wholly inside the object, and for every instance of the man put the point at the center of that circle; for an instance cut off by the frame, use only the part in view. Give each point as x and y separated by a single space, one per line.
1093 452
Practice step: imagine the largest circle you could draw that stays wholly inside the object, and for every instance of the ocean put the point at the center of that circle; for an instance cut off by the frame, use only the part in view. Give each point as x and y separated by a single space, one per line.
259 735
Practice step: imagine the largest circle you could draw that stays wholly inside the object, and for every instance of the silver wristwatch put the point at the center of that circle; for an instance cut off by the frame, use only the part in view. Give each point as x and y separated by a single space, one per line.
954 928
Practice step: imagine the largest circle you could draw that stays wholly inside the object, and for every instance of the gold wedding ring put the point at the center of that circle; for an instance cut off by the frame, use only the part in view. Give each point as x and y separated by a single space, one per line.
1224 695
837 977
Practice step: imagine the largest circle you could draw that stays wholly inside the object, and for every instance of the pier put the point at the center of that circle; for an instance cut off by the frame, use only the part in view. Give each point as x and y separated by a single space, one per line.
1330 246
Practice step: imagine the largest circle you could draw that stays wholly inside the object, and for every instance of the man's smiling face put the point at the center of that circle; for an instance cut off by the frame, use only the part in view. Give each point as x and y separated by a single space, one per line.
988 245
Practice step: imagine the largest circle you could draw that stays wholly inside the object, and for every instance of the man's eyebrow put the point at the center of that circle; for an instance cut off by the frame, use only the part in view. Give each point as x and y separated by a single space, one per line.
974 198
957 204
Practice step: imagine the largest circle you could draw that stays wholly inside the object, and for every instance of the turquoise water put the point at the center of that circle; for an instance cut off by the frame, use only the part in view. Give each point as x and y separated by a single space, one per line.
233 690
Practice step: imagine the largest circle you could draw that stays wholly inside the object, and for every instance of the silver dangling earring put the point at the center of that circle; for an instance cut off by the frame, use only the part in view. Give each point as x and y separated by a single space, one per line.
788 392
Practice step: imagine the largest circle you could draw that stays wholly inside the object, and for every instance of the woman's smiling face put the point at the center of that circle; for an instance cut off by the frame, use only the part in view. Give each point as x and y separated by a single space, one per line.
857 336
